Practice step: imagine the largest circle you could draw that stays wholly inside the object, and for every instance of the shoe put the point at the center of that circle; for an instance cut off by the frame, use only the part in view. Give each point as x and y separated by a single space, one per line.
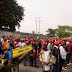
64 68
67 64
70 63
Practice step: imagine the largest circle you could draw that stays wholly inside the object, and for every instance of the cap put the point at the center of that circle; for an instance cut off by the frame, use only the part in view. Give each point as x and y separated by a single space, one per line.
34 42
16 38
27 42
62 44
3 36
70 40
5 39
45 40
50 40
53 39
60 41
44 43
64 39
8 40
56 43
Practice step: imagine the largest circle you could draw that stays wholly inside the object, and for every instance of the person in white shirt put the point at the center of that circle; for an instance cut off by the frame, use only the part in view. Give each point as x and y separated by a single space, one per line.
22 43
45 57
63 55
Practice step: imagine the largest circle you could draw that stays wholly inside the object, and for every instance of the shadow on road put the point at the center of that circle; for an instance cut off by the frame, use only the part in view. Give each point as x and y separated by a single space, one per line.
27 71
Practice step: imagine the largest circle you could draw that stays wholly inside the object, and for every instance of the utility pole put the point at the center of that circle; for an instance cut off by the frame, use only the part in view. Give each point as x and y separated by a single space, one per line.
39 24
36 26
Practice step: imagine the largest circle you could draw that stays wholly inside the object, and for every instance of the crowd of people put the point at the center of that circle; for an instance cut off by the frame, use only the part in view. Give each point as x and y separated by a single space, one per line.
61 49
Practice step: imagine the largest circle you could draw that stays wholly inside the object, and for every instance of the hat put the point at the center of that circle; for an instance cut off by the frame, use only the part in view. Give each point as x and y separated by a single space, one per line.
12 39
16 38
27 42
31 39
44 43
64 39
53 39
62 44
8 40
50 40
40 40
35 39
21 40
5 39
45 40
70 40
56 43
34 42
60 41
3 36
28 39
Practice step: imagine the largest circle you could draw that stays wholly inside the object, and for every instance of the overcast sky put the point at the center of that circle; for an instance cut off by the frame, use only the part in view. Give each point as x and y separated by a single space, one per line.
51 12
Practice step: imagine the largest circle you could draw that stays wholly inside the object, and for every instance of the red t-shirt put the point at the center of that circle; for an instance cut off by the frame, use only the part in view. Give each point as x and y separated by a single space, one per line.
69 46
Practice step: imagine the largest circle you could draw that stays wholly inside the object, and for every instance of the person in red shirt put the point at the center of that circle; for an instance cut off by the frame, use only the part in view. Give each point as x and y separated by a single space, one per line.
69 53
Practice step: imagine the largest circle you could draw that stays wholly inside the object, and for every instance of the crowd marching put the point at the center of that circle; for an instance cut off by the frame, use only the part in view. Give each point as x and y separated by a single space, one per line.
55 54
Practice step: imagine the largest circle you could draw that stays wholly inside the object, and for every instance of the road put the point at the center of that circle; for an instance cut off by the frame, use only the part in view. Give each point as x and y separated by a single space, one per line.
23 68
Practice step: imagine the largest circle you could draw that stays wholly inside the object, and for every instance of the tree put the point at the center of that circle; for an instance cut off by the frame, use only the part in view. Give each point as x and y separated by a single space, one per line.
64 31
51 32
10 14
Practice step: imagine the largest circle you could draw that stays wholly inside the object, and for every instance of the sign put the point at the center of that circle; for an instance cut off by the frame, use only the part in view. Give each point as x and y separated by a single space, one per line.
17 52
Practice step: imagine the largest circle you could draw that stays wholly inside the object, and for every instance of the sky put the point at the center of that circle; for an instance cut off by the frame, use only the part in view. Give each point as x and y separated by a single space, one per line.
51 12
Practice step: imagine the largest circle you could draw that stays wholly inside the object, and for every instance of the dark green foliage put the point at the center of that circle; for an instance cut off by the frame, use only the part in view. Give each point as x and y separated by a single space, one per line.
10 14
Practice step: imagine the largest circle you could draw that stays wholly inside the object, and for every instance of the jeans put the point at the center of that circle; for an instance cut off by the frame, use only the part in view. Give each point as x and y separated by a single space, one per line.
69 57
57 67
27 59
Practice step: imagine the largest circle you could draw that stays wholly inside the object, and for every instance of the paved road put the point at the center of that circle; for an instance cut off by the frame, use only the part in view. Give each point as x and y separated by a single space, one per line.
33 69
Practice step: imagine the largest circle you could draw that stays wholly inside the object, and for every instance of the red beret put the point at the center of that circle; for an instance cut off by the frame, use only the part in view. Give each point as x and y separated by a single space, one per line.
12 39
53 39
16 38
28 39
21 40
40 40
8 40
35 39
5 39
62 43
50 40
45 40
44 43
31 39
27 42
34 42
56 43
64 39
70 40
3 36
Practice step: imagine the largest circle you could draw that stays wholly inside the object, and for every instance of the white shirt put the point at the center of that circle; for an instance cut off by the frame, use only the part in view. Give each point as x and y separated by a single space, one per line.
2 40
46 59
67 42
62 52
22 44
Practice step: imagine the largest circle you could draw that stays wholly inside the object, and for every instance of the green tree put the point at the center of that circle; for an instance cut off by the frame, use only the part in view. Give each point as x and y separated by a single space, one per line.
10 14
64 31
51 32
